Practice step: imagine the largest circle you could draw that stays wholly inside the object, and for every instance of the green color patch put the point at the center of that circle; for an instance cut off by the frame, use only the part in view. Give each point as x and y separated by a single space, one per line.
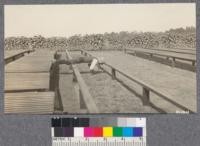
117 132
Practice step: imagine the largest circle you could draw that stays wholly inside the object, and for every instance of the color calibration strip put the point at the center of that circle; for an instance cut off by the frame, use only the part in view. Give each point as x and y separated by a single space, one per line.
98 131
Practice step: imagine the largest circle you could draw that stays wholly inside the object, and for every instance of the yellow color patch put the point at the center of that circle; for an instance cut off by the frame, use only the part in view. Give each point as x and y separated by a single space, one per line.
107 131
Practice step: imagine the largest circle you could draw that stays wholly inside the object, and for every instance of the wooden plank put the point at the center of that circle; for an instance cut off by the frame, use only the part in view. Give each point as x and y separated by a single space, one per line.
26 81
179 51
68 94
185 57
88 99
10 53
29 102
146 96
39 61
191 51
23 78
10 57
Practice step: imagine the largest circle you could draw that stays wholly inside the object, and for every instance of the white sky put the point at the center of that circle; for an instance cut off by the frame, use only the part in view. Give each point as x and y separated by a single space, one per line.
67 20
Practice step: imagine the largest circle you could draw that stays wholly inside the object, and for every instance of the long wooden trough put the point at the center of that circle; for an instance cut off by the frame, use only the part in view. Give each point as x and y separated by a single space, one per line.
16 56
146 87
179 51
174 57
85 97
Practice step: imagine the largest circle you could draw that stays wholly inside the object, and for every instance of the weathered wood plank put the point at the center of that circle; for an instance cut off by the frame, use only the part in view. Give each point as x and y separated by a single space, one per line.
14 55
185 57
39 61
23 78
29 102
179 51
87 98
26 81
11 53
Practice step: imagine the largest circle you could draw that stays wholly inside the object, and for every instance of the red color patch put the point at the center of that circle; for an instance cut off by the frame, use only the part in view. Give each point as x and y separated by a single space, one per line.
98 132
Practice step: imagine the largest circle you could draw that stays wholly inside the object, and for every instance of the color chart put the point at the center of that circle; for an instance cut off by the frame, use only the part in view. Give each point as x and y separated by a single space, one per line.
106 131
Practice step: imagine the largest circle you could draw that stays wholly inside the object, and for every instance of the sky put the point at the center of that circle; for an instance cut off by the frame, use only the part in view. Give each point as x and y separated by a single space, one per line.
68 20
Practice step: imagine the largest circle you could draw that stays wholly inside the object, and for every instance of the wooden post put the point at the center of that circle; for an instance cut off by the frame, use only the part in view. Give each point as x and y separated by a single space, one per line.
82 103
146 95
193 63
173 61
151 55
113 73
74 78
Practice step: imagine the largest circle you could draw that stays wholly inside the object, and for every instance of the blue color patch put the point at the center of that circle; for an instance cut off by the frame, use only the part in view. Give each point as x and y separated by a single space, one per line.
137 132
127 132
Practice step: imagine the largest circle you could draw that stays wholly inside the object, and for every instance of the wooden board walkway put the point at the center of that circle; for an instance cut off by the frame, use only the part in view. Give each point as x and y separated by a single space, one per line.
27 83
179 84
13 55
39 61
29 102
